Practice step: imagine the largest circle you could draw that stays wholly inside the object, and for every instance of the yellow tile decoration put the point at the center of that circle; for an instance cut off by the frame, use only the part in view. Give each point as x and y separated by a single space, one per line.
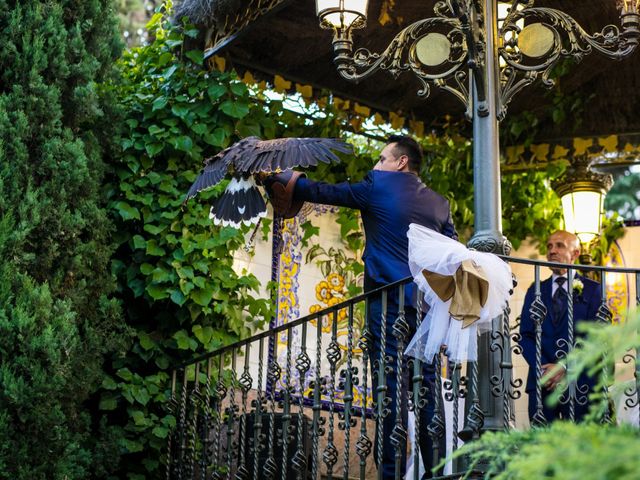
280 84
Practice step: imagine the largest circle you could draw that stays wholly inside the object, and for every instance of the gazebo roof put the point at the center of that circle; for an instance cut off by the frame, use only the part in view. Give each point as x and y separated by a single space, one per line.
285 39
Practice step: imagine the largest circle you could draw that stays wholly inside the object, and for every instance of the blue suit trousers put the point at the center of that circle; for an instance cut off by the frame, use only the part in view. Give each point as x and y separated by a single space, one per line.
388 460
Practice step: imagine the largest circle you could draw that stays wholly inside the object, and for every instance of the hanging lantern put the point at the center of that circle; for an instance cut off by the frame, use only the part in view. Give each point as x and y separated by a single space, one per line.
582 193
342 15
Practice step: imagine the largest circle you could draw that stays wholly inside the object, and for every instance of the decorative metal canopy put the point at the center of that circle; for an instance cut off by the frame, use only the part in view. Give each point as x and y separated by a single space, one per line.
269 37
442 50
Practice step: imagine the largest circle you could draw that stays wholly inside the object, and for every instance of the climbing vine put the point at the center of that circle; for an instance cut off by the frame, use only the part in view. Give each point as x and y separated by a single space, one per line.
175 272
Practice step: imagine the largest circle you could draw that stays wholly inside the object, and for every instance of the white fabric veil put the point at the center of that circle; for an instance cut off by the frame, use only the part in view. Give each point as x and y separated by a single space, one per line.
432 251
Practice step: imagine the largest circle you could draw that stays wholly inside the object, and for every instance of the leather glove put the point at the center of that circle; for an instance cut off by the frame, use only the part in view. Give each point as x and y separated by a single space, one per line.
280 188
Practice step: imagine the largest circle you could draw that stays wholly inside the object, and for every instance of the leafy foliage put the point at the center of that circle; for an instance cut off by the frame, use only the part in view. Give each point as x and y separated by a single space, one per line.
611 230
529 207
623 198
174 268
562 109
56 320
564 451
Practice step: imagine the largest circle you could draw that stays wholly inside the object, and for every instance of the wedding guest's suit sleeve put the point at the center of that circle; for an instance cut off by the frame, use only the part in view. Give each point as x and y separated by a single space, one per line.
594 300
527 330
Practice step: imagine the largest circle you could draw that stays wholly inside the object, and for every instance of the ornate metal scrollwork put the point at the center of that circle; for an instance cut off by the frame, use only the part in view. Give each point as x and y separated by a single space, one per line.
487 242
549 35
444 49
632 392
434 49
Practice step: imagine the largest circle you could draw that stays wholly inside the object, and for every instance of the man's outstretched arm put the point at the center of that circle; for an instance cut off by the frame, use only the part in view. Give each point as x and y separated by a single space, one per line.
351 195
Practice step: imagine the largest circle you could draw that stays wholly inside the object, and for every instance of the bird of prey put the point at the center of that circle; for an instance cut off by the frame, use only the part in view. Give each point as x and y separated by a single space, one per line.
252 159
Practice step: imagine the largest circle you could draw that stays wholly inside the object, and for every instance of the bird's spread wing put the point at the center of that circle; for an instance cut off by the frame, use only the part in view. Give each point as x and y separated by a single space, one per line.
281 154
215 168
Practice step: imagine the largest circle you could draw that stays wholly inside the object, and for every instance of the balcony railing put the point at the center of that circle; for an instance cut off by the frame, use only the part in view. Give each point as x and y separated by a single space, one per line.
297 402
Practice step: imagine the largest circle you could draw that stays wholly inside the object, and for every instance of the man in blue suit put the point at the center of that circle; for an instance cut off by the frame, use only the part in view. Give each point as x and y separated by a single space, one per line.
389 198
562 247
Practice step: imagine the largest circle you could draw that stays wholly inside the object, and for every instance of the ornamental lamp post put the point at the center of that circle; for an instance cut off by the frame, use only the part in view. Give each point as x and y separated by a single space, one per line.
483 58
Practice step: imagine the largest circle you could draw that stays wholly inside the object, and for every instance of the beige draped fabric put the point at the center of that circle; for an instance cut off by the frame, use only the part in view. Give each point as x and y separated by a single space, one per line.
468 289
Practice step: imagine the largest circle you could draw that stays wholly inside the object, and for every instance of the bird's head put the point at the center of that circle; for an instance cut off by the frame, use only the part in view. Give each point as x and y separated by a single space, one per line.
260 177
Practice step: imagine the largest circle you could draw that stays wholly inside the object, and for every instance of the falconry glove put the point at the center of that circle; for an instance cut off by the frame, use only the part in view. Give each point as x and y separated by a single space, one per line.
280 188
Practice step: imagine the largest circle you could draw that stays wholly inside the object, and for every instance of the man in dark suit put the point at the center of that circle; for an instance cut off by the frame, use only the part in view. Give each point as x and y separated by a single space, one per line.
562 247
390 198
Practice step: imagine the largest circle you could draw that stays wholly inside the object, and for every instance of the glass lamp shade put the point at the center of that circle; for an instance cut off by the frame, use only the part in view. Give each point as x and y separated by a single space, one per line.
342 14
629 6
582 211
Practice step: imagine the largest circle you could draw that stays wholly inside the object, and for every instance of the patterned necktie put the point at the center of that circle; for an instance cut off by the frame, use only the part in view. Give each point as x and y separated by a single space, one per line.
559 299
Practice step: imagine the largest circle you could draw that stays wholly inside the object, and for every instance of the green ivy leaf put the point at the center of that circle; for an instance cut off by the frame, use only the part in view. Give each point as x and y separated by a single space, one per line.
146 341
140 394
154 229
137 286
178 297
183 143
182 339
157 292
139 418
164 58
202 296
139 242
235 109
217 138
203 334
239 89
216 91
160 432
147 268
132 446
109 383
125 374
153 149
159 103
154 249
196 56
126 211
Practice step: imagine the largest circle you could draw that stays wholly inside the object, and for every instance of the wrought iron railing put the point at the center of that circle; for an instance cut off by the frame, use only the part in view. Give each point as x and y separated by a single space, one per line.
297 402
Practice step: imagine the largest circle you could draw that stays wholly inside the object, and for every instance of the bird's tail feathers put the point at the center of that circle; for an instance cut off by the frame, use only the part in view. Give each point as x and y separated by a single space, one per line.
241 203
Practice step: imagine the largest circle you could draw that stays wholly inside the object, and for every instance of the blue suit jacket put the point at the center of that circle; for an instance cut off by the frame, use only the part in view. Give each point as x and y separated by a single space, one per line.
388 202
585 308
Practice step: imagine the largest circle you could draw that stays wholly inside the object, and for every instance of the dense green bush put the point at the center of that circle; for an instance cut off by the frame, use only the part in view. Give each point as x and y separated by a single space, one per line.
56 321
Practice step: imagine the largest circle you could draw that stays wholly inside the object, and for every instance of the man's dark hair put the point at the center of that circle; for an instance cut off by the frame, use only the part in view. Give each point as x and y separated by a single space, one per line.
407 146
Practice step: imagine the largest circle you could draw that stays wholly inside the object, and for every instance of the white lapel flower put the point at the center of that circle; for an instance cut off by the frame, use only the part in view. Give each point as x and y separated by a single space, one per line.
577 286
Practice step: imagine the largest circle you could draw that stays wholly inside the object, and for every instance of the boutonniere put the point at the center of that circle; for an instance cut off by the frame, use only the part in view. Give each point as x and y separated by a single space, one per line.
578 286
